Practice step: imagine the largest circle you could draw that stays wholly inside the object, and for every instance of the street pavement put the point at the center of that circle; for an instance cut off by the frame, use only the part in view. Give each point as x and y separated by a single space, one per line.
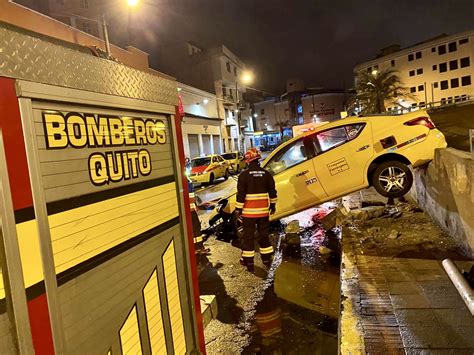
397 298
291 308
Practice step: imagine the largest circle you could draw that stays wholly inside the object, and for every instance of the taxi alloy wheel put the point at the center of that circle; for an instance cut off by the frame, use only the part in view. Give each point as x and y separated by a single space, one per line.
392 179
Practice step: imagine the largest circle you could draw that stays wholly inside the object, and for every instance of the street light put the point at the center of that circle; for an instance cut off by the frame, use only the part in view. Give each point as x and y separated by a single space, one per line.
246 78
132 3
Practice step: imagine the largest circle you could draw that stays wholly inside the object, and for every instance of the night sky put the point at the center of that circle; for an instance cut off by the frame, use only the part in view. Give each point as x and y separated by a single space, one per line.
317 40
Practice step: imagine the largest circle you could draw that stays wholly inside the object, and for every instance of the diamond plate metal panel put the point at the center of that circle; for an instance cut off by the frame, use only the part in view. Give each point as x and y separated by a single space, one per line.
26 57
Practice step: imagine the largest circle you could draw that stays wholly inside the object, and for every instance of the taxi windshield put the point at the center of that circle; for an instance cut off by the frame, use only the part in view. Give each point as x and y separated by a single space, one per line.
200 162
229 156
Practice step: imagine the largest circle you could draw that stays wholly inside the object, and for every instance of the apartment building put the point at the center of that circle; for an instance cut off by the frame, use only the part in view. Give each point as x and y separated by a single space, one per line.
81 14
201 125
436 71
216 70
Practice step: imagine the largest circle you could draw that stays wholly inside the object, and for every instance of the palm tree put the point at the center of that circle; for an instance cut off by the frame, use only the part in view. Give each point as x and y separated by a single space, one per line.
378 88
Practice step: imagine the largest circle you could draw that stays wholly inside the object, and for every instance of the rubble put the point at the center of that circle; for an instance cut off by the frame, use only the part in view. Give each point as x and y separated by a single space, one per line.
394 234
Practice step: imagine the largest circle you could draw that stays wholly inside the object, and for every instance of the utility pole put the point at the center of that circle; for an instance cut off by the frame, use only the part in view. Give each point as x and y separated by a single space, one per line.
106 35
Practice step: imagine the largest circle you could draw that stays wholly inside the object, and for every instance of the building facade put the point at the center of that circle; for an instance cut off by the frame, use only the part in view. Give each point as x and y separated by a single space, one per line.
437 71
201 125
217 70
81 14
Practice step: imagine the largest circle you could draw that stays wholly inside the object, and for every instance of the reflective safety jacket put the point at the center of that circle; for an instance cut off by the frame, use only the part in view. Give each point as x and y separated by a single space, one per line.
192 196
255 192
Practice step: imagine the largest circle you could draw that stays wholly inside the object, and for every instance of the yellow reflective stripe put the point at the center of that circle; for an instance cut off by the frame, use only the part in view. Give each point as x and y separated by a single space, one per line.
248 254
191 195
267 317
256 198
198 239
250 209
255 213
192 206
257 195
267 250
273 200
239 204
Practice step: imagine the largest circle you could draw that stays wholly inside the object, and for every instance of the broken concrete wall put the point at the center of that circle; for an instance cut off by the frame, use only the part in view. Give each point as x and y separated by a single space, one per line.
444 190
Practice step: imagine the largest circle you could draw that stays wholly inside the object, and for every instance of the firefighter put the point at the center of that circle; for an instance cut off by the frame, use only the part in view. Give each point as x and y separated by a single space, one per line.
198 239
256 200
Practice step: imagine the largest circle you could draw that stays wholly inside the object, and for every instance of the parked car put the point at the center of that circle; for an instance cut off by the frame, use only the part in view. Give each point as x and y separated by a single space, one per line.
235 160
349 155
207 169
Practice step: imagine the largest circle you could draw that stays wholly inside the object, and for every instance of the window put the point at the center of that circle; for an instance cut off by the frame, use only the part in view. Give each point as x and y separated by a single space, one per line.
457 98
419 71
215 160
433 49
376 67
435 85
235 71
435 67
220 158
228 66
86 27
413 105
369 70
224 91
291 156
465 62
392 62
452 47
466 80
410 57
443 101
453 65
412 72
226 112
464 41
336 136
442 49
85 4
422 104
413 89
443 67
444 85
418 55
262 111
421 88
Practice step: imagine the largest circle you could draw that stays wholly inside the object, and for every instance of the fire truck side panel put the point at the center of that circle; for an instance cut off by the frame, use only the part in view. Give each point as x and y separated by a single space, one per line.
96 205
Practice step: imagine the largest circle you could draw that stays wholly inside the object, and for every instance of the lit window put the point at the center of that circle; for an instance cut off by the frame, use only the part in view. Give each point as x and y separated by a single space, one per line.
419 71
412 72
466 80
418 55
453 65
465 62
442 49
410 57
443 67
85 4
421 88
452 47
444 85
464 41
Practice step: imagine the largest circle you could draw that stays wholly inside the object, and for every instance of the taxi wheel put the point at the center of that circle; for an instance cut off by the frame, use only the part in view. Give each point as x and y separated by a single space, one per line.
392 179
238 169
226 175
211 179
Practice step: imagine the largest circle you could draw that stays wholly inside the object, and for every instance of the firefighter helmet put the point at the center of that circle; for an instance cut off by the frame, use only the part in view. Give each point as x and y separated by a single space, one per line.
252 154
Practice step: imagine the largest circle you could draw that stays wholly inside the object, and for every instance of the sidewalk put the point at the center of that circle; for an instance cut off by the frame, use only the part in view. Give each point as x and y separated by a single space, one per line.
396 297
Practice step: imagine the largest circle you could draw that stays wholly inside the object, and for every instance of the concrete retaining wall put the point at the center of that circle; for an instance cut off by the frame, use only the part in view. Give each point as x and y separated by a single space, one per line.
444 189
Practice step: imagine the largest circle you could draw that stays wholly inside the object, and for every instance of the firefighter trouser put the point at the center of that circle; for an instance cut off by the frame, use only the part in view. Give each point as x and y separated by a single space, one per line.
197 234
261 225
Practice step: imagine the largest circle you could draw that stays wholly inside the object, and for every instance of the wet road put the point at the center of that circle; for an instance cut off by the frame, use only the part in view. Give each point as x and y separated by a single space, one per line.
290 309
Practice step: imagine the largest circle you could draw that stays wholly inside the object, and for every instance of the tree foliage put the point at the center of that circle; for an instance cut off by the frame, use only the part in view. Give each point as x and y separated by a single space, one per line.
376 90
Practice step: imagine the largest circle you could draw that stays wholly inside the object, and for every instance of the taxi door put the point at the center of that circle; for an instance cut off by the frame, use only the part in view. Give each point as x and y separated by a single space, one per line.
297 184
216 167
342 154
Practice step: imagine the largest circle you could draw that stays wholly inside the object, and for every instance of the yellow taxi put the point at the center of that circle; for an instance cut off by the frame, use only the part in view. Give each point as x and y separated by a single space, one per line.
204 170
348 155
235 160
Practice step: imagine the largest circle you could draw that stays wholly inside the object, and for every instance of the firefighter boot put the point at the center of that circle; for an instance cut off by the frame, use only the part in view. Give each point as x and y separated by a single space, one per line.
248 263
